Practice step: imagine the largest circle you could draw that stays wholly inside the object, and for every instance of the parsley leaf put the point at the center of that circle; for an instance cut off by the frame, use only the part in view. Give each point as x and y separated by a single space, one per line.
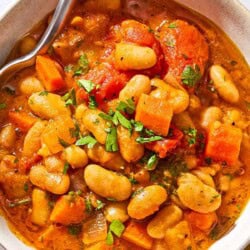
106 117
92 102
3 106
74 229
110 238
176 166
142 140
190 76
172 26
151 161
137 125
43 93
86 84
70 97
83 62
116 227
100 204
65 168
118 117
111 144
87 140
63 143
192 134
26 187
128 106
88 205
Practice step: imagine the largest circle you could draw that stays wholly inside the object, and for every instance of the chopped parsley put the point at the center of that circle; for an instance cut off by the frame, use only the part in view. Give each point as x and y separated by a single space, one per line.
26 187
128 106
63 143
171 43
86 140
44 93
74 229
175 165
192 135
3 106
119 118
100 204
88 205
138 126
142 140
191 75
116 227
82 65
111 144
92 102
106 117
86 84
132 180
172 25
66 168
136 192
151 161
70 97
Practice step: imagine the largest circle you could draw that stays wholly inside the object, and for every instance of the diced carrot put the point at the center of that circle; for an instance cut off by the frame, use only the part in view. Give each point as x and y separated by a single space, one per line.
69 209
223 143
137 234
203 222
154 113
22 120
49 74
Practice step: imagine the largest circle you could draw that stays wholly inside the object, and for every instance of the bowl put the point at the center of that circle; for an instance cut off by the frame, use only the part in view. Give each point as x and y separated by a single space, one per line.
21 15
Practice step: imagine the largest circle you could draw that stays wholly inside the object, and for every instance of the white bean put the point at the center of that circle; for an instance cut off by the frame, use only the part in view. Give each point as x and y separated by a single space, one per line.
7 137
116 211
224 84
210 115
139 84
56 183
134 57
196 195
48 105
30 85
164 219
76 156
40 207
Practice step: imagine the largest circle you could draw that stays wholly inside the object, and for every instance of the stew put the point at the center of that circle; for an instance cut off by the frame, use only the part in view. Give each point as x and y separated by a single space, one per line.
132 132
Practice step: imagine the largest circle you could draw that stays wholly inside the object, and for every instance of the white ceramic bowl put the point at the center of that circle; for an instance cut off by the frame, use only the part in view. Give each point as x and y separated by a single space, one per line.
230 15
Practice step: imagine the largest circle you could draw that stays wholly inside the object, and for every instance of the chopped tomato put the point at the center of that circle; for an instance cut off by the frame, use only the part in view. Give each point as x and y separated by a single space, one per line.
183 45
166 145
108 82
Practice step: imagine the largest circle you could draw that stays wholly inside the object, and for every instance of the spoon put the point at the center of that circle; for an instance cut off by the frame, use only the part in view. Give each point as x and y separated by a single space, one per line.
61 13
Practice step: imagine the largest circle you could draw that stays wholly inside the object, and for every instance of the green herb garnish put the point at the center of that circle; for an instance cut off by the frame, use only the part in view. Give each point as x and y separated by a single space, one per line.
70 97
111 144
86 84
128 106
63 143
142 140
192 135
65 168
92 102
116 227
44 93
190 76
74 229
172 26
86 140
100 204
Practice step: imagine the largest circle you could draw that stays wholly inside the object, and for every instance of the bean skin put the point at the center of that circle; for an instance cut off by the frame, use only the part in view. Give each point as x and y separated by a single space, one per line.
146 202
107 183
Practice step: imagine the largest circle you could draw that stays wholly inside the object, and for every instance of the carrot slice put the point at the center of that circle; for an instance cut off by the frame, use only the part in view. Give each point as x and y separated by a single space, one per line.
202 221
69 209
223 143
137 234
154 113
49 74
22 120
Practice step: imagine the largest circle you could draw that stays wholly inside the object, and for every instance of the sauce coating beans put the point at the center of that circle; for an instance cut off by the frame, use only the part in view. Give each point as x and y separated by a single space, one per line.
131 132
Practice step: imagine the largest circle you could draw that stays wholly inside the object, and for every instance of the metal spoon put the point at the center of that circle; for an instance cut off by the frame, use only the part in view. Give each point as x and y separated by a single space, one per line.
61 13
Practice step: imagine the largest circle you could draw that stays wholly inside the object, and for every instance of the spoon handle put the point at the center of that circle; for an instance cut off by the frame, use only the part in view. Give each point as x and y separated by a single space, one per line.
61 13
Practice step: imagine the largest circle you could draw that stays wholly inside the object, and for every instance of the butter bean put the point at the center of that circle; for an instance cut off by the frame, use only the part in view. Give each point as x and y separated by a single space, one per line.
165 218
107 183
224 84
146 202
134 57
